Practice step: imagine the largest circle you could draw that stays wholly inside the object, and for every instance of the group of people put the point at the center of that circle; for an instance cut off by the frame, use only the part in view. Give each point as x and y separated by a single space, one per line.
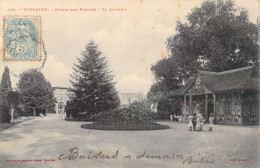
196 122
175 118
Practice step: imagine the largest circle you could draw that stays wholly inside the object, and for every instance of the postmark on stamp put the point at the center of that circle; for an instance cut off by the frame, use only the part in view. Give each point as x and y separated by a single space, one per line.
22 38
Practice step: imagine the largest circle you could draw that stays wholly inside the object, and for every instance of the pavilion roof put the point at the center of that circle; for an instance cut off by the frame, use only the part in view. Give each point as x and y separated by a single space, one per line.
236 79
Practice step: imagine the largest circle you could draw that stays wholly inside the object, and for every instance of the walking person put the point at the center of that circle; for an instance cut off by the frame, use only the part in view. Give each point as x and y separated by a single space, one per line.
194 121
190 125
211 120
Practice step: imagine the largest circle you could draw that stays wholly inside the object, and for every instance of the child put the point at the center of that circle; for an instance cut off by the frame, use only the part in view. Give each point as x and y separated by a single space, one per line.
211 120
198 124
171 117
190 125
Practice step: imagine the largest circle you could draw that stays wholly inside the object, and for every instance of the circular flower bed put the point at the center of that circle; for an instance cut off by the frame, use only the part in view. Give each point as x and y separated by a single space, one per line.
135 117
139 127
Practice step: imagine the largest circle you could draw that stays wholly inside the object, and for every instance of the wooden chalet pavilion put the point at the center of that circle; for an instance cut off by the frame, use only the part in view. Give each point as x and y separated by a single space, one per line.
231 96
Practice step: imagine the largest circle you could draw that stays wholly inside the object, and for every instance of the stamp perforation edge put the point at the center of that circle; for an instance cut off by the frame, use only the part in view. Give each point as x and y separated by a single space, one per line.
40 38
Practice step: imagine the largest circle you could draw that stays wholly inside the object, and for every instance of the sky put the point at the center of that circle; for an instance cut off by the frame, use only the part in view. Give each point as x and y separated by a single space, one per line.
132 40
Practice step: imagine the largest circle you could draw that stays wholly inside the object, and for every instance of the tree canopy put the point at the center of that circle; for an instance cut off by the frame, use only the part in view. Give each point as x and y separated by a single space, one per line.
93 83
216 36
35 91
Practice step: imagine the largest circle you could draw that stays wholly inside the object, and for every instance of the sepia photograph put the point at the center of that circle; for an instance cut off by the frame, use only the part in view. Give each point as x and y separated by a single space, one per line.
129 84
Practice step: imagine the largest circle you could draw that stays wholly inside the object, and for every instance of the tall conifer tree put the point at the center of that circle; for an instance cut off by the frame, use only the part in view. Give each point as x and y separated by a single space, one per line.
5 89
93 83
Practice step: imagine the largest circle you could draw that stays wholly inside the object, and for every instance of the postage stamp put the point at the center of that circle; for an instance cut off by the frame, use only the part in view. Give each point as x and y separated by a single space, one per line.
22 38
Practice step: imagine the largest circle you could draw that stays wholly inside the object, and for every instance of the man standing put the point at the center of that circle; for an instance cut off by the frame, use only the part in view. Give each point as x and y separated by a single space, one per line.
194 121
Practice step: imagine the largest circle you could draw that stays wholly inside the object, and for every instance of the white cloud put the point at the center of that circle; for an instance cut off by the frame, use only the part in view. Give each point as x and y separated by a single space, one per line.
56 72
133 84
131 49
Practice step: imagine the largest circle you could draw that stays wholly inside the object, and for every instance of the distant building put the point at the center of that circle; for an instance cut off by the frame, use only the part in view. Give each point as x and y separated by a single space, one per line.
128 98
231 96
62 96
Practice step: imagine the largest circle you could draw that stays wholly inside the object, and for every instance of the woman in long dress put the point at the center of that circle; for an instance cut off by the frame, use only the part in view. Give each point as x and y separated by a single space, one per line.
211 120
202 120
198 124
190 125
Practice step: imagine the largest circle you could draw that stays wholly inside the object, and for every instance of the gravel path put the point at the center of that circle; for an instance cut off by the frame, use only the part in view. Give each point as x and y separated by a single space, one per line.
38 143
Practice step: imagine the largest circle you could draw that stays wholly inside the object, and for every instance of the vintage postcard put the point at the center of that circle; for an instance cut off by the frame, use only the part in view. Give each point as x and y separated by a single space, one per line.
129 83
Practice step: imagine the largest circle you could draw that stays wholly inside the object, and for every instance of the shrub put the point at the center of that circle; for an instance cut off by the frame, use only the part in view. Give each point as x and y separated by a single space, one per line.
151 126
73 108
5 114
164 115
135 117
135 114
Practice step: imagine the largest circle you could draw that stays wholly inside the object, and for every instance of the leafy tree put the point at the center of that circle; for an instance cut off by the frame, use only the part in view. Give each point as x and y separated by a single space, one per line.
35 91
5 89
155 93
92 82
217 36
14 99
167 77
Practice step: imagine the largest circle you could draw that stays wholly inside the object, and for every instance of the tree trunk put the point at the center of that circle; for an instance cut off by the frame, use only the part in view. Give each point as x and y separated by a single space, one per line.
34 111
12 114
